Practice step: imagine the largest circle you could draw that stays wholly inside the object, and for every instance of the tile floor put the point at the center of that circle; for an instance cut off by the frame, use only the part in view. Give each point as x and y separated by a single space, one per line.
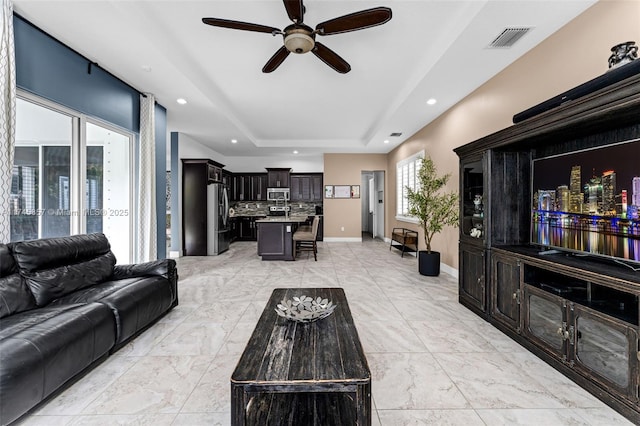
432 360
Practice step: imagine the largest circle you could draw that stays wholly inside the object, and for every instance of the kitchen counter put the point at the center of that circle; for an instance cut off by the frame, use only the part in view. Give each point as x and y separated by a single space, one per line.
275 236
282 219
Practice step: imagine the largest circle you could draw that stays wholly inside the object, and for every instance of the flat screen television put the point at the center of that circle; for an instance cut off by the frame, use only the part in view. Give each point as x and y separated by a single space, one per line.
589 201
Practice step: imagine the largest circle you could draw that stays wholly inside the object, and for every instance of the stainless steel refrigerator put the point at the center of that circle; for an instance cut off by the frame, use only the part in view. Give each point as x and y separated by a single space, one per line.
218 227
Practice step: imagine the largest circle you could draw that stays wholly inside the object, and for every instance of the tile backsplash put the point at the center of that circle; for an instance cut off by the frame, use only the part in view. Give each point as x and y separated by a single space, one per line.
257 208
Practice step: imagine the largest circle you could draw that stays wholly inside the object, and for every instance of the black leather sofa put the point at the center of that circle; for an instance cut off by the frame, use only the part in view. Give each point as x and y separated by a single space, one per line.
64 307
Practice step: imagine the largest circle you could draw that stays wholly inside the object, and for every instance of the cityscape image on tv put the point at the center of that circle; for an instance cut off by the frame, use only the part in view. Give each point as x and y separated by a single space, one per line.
589 201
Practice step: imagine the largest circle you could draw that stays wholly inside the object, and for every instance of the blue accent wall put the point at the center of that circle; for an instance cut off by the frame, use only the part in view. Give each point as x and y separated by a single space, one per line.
49 69
52 70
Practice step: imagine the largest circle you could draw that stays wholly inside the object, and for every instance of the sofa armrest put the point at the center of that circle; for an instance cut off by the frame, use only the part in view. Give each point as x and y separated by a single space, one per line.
162 267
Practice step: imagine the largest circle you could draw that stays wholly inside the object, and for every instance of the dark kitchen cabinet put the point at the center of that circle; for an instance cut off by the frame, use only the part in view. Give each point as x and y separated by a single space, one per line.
275 242
306 187
278 178
227 178
259 187
317 188
233 224
249 187
247 229
241 187
196 175
300 188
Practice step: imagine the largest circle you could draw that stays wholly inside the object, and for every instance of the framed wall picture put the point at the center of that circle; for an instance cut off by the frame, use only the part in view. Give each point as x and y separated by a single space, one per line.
355 191
328 191
342 191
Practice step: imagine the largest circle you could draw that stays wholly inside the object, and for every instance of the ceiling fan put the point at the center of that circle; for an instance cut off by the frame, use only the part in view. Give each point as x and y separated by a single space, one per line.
300 38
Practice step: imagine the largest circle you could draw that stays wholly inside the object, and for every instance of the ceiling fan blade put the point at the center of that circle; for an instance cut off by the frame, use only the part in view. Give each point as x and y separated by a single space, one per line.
295 10
275 61
331 58
237 25
355 21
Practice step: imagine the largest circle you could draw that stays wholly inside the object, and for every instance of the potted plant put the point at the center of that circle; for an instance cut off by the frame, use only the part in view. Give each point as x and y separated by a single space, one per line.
435 209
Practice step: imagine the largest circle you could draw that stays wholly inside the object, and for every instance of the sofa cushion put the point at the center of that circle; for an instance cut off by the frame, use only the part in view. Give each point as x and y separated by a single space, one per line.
162 267
54 267
14 294
135 302
43 348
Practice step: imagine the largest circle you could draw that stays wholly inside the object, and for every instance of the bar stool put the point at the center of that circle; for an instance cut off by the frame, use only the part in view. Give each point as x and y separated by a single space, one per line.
305 240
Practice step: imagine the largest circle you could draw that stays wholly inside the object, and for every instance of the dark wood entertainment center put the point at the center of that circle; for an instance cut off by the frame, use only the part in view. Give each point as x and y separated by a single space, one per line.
578 313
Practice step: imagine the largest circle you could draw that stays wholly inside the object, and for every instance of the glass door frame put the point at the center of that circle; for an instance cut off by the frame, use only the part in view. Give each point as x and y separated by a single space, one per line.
84 120
563 322
78 172
627 331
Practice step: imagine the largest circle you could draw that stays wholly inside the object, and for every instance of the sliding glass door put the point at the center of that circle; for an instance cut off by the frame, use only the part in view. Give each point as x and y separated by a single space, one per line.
40 191
108 187
71 175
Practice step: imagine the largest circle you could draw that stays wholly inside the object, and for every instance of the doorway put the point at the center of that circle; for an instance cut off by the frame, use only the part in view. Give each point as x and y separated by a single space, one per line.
372 204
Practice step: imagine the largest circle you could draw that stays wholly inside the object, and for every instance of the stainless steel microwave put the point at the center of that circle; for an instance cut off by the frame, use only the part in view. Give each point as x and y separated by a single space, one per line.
278 194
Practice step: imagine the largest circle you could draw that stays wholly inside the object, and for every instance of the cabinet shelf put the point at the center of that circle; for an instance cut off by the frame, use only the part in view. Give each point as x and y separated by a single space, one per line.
615 303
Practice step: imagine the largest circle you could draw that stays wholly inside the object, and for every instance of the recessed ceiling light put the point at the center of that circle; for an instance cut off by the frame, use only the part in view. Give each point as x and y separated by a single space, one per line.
234 140
431 101
386 141
295 152
181 101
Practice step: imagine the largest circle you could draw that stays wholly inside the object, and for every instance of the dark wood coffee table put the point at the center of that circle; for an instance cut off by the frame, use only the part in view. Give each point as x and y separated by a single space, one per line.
302 374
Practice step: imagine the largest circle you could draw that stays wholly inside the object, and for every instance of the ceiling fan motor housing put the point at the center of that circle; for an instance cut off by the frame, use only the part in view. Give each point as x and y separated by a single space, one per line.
299 39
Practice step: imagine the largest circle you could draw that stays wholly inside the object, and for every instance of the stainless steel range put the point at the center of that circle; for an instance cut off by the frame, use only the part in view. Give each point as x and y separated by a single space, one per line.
279 210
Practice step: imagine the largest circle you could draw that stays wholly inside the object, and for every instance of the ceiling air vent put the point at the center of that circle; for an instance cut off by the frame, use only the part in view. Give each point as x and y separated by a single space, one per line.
508 37
395 134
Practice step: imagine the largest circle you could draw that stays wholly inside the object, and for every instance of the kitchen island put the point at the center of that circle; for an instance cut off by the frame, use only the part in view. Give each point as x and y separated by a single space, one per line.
275 236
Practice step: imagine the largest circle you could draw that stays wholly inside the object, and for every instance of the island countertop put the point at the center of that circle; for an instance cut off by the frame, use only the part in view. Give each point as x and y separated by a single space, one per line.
282 219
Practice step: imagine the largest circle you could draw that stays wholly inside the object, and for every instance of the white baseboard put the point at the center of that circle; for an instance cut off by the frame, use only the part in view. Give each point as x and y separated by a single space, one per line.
174 254
449 270
342 239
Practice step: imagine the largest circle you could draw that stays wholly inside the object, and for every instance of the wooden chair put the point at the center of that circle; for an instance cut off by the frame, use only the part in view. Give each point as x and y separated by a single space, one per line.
305 240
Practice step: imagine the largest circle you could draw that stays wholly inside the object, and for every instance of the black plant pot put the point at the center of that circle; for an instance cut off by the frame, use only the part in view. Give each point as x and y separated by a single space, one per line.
429 263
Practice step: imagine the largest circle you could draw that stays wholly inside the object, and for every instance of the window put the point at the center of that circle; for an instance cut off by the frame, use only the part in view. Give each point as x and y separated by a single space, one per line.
71 175
406 176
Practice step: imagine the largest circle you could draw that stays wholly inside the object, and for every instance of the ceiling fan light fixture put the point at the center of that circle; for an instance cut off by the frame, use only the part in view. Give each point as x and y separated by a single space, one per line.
299 41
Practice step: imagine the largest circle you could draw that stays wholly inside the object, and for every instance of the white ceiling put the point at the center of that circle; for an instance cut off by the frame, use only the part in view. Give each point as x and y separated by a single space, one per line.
429 49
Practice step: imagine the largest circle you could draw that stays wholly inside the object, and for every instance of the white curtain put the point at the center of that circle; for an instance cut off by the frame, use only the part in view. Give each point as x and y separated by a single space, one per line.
7 115
147 238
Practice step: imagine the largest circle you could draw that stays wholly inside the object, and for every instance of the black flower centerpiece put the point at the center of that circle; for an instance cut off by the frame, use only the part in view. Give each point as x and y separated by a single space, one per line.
305 309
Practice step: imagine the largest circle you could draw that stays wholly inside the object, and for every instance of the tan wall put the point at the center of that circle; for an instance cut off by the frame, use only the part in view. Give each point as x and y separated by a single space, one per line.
346 169
573 55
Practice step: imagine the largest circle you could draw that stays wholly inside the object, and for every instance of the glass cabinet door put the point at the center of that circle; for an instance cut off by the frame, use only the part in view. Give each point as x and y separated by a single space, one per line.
545 321
472 197
603 349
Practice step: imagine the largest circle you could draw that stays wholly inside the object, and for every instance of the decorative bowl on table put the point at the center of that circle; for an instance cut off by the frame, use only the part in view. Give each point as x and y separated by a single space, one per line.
305 308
